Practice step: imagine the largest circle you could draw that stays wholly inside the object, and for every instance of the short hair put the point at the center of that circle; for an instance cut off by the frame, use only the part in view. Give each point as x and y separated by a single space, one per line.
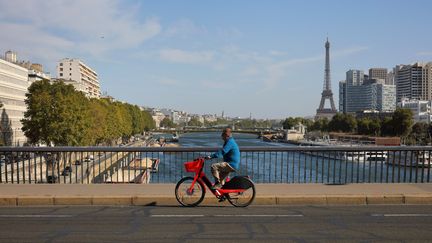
227 131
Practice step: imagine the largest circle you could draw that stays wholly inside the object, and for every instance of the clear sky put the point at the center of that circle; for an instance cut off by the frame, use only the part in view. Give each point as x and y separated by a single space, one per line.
241 57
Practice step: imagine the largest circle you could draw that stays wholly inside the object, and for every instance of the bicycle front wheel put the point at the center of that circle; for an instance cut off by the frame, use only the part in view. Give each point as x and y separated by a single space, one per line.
242 199
189 196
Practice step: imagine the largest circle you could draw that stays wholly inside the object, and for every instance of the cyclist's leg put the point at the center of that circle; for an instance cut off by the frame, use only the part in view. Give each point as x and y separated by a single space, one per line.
225 170
215 172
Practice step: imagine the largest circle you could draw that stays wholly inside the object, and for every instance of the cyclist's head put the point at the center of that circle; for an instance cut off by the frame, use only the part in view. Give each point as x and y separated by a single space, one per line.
226 133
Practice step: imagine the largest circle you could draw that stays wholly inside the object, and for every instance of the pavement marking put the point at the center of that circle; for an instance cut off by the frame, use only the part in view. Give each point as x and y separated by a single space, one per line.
34 216
176 215
222 215
403 215
258 215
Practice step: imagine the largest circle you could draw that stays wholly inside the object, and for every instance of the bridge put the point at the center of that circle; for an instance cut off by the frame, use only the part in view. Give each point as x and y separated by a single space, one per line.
257 131
274 164
348 187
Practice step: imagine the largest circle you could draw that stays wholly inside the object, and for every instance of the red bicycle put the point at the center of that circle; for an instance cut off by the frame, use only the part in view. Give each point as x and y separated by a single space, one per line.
190 191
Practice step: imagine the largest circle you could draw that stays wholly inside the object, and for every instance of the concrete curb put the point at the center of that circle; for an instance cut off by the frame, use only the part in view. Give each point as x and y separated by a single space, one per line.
35 200
375 199
385 199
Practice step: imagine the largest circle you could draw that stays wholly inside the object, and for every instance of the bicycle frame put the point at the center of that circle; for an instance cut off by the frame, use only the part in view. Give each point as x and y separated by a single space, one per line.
201 176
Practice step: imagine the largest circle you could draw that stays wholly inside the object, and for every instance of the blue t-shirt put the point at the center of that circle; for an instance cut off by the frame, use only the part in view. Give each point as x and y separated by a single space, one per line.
230 153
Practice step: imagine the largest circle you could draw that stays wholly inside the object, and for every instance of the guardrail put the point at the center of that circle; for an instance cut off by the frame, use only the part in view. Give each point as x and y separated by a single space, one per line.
275 164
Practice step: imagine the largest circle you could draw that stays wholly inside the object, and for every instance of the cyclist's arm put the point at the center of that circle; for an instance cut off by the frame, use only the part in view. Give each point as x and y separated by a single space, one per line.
219 154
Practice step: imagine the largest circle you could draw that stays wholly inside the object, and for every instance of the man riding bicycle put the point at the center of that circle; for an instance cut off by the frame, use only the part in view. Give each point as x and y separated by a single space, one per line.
231 158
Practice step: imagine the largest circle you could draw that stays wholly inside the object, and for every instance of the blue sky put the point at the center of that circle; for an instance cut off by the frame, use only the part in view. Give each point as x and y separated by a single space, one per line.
241 57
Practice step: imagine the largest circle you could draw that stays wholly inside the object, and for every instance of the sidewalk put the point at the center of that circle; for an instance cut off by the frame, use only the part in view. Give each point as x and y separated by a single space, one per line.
163 194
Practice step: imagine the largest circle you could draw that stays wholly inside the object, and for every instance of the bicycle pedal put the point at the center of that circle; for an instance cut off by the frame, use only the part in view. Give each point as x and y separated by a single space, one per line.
222 199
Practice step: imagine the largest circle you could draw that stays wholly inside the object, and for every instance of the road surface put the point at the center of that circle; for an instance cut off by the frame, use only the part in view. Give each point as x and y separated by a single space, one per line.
221 224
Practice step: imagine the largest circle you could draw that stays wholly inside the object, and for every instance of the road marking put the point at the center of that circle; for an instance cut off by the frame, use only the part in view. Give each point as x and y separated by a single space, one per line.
223 215
258 215
176 215
403 215
34 216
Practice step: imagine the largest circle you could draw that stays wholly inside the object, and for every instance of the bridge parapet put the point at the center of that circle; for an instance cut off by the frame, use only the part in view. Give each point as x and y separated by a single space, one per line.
275 164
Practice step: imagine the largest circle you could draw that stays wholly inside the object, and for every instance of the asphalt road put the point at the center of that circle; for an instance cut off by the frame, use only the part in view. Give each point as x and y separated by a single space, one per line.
217 224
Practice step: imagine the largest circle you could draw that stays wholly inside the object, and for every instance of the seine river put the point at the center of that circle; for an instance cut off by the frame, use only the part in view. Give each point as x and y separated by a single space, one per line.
282 167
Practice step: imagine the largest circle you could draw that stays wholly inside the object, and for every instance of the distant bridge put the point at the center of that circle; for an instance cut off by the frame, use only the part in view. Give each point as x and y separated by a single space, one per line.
249 131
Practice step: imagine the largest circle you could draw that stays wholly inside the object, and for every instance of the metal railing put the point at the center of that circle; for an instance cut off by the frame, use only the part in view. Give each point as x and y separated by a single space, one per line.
329 165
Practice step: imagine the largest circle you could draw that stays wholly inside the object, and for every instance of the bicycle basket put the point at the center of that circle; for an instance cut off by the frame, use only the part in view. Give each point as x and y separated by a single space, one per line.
192 166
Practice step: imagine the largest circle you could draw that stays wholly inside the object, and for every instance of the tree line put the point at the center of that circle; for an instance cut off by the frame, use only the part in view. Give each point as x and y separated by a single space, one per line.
400 123
59 115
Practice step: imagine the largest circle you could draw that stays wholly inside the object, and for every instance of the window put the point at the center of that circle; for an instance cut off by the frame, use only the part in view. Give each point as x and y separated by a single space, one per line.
61 64
70 74
61 69
61 74
70 69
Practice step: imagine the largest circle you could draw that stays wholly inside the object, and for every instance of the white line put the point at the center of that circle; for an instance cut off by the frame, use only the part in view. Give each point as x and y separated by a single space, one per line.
33 216
176 215
222 215
258 215
402 215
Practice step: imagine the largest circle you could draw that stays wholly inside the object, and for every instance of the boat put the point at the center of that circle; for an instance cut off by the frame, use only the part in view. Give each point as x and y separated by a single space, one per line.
418 159
175 137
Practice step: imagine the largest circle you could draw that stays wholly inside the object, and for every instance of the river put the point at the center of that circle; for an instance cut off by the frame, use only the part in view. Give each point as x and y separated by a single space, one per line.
282 167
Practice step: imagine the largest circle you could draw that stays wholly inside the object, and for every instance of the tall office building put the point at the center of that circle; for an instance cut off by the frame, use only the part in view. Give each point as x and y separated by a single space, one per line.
13 87
390 79
361 94
342 96
81 76
378 73
414 81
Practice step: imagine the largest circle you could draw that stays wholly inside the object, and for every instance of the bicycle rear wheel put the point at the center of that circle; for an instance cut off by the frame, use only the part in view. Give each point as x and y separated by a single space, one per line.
187 197
242 199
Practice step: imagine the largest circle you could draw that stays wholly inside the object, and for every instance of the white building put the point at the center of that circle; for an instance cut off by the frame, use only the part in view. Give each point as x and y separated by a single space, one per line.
36 73
81 76
157 116
414 81
421 109
14 83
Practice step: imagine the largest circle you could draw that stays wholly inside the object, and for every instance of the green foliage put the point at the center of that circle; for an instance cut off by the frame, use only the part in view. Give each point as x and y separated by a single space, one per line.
342 123
195 122
399 125
420 135
167 123
290 122
367 126
320 125
402 122
58 114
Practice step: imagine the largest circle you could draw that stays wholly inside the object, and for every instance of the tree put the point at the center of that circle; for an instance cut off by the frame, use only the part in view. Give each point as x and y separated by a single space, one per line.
195 122
419 134
290 122
402 121
387 127
167 123
367 126
56 114
342 123
320 124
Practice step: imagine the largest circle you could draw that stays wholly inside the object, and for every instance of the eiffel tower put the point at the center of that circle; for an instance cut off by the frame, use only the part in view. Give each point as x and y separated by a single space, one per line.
327 93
